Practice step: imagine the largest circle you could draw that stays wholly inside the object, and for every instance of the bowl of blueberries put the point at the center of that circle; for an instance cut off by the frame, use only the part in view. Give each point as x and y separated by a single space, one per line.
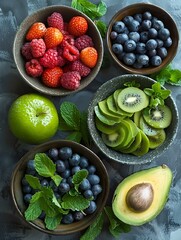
59 187
142 38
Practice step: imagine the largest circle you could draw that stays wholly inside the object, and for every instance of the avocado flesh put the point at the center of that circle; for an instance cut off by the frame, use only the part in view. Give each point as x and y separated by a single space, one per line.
160 178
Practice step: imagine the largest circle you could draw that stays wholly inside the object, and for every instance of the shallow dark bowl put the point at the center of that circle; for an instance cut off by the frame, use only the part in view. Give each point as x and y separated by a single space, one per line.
162 15
41 15
107 89
17 195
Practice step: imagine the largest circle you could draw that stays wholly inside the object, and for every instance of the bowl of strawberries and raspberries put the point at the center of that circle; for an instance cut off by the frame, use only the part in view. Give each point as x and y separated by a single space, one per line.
58 50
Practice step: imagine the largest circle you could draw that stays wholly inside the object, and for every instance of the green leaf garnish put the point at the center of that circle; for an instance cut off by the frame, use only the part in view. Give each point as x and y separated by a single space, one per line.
57 179
78 177
132 84
44 165
75 203
102 27
75 136
94 229
33 211
52 222
34 182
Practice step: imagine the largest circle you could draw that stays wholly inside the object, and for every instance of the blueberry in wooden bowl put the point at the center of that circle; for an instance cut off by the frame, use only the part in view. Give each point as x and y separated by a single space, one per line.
142 38
59 187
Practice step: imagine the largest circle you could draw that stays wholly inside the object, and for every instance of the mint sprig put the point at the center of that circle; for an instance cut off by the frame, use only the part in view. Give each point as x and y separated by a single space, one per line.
73 121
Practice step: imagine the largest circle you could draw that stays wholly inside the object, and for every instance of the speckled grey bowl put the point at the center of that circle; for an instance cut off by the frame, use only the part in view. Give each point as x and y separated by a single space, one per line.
41 16
107 89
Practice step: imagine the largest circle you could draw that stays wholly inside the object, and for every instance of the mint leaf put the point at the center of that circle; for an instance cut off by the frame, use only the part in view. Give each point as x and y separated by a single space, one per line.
132 84
52 222
175 77
75 203
94 229
84 129
33 211
34 182
36 197
57 179
44 165
78 177
102 8
71 115
63 125
102 27
75 136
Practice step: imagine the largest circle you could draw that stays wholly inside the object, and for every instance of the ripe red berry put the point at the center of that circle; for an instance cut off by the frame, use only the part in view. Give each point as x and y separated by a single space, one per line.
37 30
50 59
89 56
51 77
77 26
53 37
70 80
56 20
26 51
83 42
38 47
80 67
33 68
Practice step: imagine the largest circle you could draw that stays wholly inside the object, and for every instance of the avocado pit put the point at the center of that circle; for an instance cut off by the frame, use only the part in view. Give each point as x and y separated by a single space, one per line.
140 197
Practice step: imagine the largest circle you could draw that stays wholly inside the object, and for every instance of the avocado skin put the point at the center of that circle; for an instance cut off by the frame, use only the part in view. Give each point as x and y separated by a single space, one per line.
160 177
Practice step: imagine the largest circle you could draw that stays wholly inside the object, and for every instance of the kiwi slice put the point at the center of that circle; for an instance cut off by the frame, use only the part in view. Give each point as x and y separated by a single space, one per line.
158 139
143 148
132 99
102 127
112 107
115 138
102 118
106 112
134 145
147 129
136 118
159 117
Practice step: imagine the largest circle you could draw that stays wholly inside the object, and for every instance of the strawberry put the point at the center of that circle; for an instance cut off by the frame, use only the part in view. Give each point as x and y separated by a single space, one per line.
53 37
77 26
37 30
89 56
51 76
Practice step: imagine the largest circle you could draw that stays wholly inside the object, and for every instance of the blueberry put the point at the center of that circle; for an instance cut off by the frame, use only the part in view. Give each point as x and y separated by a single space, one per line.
162 52
78 215
66 173
42 215
75 169
129 46
143 59
138 17
151 44
65 153
93 179
146 24
67 165
67 219
27 197
151 53
134 36
118 26
91 169
92 207
147 15
53 153
129 58
53 186
121 55
31 165
24 181
163 33
63 187
126 30
157 24
60 166
137 65
84 163
156 60
44 183
57 195
144 36
88 194
168 42
31 172
159 43
69 181
85 184
127 20
96 189
74 160
134 26
140 48
113 35
64 180
117 48
152 33
26 189
121 38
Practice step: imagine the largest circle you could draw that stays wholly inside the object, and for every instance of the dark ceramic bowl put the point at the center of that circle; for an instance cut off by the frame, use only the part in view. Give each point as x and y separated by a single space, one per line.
62 229
107 89
162 15
41 16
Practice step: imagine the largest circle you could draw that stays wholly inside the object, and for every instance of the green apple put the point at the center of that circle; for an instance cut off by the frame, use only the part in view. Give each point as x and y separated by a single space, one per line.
33 118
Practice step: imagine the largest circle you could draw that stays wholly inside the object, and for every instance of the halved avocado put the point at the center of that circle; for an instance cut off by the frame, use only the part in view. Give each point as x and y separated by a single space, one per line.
140 197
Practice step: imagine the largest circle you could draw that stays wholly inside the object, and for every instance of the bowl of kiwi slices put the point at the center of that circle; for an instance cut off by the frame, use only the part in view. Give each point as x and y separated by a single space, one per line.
132 119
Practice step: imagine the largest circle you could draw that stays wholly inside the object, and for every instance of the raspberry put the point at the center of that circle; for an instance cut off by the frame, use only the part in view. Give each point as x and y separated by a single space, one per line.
70 52
33 68
81 68
89 56
83 42
77 26
26 51
50 59
53 37
70 80
56 20
38 47
51 77
61 61
37 30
